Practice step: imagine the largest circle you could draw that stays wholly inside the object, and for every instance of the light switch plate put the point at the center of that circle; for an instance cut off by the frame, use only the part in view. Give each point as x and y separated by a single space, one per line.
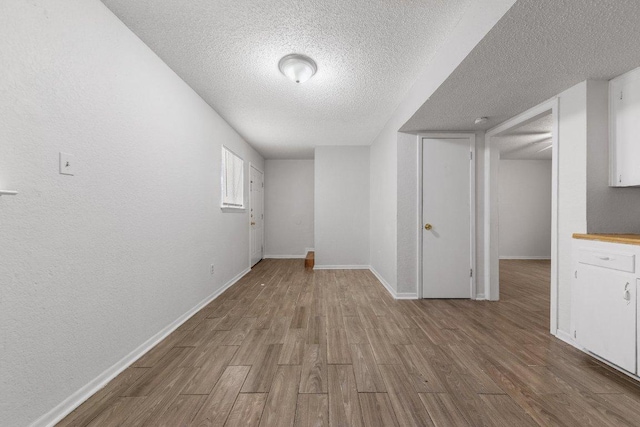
66 164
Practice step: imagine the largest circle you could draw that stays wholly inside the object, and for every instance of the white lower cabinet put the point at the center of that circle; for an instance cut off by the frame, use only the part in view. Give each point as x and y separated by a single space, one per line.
605 302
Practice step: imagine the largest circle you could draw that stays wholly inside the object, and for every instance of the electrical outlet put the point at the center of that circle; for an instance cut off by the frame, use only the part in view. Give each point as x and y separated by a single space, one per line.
212 269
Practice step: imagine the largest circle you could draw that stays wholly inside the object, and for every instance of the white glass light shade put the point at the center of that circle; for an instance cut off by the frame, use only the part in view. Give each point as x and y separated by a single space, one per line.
298 68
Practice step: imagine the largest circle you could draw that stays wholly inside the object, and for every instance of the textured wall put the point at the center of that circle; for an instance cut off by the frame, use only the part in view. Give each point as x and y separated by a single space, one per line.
384 208
95 264
341 206
525 208
289 187
408 217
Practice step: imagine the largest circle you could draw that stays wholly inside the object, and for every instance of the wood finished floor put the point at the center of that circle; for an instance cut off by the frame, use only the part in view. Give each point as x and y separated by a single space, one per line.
332 348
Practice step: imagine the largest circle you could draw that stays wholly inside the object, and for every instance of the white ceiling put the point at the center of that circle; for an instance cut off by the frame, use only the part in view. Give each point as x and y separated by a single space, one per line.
368 54
531 141
538 49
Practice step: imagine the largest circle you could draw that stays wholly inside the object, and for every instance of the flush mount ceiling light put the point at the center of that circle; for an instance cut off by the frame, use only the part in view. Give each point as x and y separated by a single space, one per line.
481 120
298 68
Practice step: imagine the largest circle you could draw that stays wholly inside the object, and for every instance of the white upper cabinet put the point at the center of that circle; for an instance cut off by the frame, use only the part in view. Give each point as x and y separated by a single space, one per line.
624 127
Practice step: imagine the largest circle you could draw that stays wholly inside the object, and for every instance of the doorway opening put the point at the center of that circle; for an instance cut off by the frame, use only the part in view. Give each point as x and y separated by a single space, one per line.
521 165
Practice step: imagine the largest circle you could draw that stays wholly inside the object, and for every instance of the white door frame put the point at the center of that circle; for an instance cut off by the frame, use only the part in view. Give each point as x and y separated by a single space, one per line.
472 204
491 207
251 165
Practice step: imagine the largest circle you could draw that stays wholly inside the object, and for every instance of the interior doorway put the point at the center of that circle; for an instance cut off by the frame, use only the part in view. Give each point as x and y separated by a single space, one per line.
521 159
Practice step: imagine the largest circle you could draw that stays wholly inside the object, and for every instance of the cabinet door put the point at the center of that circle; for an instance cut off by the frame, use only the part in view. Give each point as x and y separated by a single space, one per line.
606 316
625 129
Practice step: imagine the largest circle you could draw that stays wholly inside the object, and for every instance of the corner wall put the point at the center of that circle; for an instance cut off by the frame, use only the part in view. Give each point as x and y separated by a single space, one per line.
342 207
95 264
572 189
289 208
384 207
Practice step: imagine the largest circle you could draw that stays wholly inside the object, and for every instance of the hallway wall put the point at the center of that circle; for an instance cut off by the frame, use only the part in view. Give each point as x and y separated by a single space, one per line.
289 208
97 265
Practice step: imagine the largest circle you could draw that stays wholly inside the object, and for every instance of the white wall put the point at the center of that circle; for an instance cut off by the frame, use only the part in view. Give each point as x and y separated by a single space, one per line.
525 209
95 264
572 189
408 219
384 206
289 209
341 206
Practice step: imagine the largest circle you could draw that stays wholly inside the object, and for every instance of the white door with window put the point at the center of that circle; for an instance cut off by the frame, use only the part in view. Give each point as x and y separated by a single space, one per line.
257 215
447 217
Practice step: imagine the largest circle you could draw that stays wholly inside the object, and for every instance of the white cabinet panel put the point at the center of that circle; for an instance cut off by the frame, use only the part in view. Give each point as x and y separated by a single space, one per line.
607 259
606 314
624 127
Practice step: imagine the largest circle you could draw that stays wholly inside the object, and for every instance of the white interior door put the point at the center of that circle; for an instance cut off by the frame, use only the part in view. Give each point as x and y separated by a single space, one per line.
257 215
447 218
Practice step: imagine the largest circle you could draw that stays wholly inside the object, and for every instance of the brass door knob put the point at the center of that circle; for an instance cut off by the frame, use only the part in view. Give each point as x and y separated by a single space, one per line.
428 226
253 223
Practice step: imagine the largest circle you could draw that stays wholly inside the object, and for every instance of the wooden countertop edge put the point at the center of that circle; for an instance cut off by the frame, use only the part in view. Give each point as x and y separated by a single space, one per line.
628 239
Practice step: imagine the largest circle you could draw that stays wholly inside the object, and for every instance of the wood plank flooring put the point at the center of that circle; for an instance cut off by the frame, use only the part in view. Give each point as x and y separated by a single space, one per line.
288 346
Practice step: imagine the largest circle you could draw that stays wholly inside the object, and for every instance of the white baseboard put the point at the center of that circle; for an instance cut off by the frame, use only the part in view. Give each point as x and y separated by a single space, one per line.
341 267
406 295
566 337
65 407
284 256
525 257
389 288
384 283
480 297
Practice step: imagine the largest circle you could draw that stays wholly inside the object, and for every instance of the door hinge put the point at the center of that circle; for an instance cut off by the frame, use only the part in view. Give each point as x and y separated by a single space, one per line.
620 179
620 95
471 272
575 334
470 155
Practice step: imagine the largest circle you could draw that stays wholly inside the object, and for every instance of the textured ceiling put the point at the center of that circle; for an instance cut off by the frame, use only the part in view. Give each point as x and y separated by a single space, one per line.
538 49
368 54
531 141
